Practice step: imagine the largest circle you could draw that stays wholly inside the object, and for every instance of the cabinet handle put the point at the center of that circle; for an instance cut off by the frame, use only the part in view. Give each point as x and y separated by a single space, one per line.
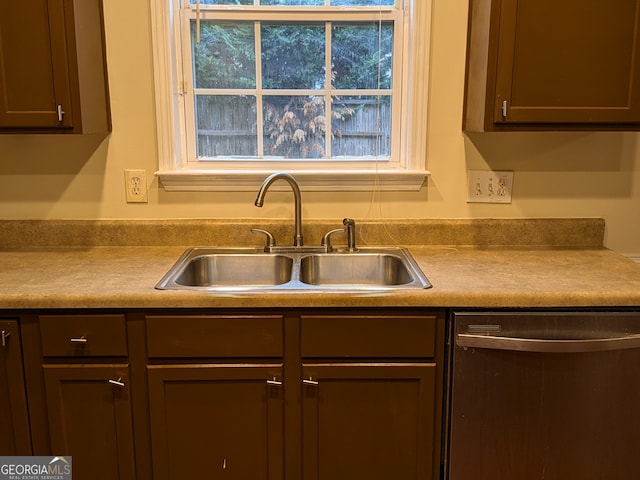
117 382
273 381
60 112
309 381
5 334
82 339
504 108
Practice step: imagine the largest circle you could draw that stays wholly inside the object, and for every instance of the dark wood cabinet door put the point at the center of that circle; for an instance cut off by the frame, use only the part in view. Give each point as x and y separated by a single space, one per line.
553 65
53 67
223 419
90 419
34 73
368 421
14 421
571 61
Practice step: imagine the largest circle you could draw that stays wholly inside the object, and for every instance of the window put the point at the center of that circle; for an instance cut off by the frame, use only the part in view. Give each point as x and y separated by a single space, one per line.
332 91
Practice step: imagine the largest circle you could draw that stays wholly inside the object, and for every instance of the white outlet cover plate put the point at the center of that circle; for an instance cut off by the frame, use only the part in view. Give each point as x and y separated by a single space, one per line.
135 184
488 186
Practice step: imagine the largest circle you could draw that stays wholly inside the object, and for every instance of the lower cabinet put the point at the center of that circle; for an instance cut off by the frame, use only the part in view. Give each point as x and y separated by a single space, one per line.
84 410
313 397
372 396
222 419
368 421
90 419
216 396
15 438
262 394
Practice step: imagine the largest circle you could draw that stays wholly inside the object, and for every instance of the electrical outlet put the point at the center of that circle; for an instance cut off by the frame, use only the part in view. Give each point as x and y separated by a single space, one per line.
486 186
135 184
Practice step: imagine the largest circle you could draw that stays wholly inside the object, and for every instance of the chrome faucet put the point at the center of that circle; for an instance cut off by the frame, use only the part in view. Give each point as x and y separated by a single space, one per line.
297 237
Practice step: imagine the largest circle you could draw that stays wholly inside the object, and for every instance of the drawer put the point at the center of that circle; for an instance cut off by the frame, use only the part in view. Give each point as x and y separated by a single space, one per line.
83 335
215 336
368 336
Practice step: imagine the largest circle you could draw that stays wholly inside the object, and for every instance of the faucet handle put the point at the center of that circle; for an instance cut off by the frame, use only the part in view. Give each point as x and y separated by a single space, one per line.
270 240
325 243
350 228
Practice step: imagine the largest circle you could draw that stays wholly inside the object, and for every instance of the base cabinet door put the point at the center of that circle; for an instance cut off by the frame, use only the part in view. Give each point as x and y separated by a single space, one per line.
90 419
216 421
15 438
368 421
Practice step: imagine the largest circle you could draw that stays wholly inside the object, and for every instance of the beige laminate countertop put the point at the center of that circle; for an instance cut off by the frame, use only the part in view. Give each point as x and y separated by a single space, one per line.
121 276
125 277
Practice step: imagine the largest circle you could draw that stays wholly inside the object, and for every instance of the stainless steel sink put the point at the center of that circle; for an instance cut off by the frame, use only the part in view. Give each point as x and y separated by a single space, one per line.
245 269
376 269
231 269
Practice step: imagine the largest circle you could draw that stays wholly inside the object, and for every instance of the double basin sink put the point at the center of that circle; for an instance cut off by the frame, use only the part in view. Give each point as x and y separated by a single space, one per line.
251 269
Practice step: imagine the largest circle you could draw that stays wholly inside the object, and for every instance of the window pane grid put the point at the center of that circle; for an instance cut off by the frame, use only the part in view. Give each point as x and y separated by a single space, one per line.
328 83
290 123
259 92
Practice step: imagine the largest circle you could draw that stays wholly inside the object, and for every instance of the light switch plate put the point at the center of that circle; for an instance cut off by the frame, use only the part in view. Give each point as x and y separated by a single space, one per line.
487 186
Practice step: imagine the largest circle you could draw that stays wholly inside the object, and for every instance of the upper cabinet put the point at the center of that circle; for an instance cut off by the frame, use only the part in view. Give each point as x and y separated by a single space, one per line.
553 65
52 67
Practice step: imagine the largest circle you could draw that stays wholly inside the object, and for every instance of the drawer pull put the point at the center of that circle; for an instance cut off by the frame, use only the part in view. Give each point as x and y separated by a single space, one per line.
309 381
273 381
5 334
82 339
117 382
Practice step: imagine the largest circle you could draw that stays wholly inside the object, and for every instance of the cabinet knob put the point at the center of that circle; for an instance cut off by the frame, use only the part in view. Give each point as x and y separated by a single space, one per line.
273 381
118 382
309 381
82 339
4 335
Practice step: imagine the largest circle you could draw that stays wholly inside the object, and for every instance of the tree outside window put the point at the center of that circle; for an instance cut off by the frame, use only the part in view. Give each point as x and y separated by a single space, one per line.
312 90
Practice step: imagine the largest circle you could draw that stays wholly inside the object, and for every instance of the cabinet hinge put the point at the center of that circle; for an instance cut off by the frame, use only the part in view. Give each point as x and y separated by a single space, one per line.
60 113
504 109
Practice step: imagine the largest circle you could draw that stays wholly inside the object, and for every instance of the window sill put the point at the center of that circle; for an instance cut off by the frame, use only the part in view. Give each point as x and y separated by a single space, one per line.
321 181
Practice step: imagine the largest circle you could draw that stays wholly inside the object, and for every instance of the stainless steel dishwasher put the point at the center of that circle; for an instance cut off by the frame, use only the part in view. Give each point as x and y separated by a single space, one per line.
544 396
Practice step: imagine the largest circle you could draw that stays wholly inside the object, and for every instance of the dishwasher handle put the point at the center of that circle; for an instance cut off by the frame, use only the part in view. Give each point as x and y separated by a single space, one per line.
491 342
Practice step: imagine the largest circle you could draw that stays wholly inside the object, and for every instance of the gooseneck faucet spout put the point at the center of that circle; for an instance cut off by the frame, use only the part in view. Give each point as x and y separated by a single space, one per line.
297 237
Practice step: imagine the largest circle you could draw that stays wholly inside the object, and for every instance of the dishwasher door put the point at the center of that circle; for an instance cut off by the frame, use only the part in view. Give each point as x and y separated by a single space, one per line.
544 396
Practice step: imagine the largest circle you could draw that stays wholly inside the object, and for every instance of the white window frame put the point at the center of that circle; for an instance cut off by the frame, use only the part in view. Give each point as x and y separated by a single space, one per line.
404 172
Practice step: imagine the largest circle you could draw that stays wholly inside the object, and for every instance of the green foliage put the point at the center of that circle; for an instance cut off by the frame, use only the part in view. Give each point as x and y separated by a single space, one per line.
225 56
293 57
362 55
